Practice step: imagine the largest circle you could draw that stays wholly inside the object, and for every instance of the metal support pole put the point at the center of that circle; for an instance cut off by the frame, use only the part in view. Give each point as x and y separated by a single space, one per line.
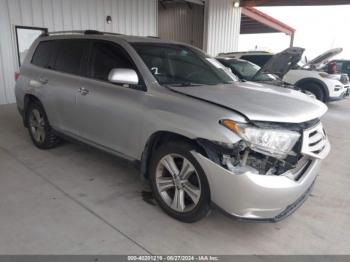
292 39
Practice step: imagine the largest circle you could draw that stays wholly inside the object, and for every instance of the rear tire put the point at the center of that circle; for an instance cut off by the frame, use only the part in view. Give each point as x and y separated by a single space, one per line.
179 183
315 89
39 127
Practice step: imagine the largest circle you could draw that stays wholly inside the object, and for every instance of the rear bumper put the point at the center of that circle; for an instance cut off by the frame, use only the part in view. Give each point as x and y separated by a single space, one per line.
260 198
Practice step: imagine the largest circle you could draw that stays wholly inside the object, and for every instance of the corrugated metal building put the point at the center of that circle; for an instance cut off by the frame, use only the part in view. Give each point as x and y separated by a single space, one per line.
211 24
136 17
222 25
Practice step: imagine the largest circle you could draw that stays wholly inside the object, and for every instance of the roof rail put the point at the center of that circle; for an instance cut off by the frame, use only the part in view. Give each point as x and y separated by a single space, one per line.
63 32
92 32
81 32
110 33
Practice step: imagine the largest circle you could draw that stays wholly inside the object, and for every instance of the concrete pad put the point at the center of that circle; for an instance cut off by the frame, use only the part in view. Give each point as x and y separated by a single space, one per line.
110 187
37 218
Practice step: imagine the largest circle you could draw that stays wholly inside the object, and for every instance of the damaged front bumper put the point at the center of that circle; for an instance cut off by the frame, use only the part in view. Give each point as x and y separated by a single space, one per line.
265 198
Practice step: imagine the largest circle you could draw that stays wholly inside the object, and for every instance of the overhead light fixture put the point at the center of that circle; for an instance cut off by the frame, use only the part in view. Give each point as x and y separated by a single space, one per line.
109 19
236 4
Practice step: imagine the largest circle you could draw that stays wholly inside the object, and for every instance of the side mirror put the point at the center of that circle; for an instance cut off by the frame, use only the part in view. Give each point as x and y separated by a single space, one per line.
123 76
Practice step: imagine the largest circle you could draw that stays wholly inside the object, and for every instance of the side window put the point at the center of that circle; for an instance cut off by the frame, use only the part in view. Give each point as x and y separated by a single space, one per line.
339 66
105 57
43 54
347 68
69 56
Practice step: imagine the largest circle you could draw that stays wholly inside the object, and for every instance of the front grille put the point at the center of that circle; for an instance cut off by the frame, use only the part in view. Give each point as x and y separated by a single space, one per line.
299 127
314 141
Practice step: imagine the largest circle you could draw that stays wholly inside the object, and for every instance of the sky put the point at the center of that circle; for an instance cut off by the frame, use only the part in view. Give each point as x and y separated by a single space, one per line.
318 29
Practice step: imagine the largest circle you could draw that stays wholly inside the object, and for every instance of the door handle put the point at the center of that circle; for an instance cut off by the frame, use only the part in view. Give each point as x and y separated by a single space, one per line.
43 81
83 91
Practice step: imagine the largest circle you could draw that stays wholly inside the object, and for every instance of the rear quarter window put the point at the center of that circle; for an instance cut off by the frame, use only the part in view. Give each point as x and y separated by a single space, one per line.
43 53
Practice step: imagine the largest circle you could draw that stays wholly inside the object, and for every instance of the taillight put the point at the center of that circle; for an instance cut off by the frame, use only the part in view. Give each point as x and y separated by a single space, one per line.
16 75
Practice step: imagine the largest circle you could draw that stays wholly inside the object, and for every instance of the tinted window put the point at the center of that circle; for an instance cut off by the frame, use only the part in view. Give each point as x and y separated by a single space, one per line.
69 55
180 65
343 67
248 70
43 53
107 56
259 60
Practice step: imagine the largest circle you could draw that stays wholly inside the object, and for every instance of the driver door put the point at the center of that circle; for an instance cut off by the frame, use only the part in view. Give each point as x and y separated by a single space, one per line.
110 114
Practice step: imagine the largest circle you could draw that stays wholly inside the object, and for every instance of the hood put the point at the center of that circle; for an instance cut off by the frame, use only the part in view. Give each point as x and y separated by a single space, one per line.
281 63
259 102
323 58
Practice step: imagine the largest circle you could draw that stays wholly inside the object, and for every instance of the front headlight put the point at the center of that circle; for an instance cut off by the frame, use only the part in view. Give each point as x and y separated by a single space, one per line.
273 142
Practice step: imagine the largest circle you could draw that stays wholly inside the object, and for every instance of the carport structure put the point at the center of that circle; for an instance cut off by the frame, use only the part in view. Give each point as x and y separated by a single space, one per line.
245 3
254 21
214 25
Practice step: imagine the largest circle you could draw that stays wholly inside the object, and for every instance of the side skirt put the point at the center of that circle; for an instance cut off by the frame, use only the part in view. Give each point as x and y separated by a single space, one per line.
79 140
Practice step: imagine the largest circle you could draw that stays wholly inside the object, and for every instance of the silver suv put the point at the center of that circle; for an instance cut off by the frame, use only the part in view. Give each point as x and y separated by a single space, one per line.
201 136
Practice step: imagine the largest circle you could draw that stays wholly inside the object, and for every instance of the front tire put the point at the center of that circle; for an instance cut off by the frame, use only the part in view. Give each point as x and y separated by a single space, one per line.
39 128
315 89
179 183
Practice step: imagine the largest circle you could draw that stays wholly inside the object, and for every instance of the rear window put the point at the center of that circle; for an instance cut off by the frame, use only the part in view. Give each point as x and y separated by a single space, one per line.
259 60
43 54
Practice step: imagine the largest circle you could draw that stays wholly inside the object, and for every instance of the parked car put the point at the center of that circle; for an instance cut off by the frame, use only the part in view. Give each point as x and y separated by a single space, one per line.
271 73
199 135
259 58
326 87
310 76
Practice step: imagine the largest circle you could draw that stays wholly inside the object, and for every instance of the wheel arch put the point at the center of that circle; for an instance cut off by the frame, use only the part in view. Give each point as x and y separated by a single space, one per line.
304 81
28 99
156 140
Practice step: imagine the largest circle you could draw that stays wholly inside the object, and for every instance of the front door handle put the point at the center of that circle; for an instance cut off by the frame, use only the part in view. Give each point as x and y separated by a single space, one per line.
83 91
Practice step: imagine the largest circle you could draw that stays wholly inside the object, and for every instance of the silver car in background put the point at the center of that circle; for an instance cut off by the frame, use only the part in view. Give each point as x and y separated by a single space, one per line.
201 136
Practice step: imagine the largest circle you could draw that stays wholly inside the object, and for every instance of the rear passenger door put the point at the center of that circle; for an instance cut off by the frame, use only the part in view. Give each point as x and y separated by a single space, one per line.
110 114
63 82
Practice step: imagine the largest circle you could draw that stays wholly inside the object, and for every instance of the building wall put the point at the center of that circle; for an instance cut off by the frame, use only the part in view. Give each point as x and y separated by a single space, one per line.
181 22
222 26
135 17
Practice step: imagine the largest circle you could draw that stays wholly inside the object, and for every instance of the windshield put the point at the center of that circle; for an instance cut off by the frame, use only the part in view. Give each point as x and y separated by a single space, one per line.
248 70
180 65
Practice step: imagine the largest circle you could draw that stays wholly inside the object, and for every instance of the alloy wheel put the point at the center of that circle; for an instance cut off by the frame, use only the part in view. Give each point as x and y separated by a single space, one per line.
178 183
37 126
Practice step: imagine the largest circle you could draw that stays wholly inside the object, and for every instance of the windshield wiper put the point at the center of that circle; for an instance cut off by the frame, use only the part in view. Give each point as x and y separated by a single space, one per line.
182 84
